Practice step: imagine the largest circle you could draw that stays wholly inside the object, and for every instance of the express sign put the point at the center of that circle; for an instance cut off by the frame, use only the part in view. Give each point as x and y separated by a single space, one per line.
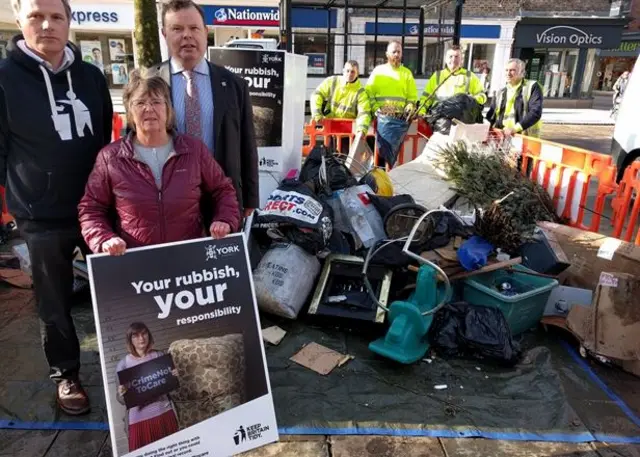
231 15
568 36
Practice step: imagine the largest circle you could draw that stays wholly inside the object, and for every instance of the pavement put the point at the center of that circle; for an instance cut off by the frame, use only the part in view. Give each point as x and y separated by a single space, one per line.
596 138
90 443
583 128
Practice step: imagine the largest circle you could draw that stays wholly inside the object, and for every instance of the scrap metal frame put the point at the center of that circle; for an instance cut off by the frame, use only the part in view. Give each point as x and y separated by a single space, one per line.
286 41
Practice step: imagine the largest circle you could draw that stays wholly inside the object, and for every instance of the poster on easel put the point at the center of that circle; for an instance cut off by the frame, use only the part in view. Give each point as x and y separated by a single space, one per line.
264 72
181 350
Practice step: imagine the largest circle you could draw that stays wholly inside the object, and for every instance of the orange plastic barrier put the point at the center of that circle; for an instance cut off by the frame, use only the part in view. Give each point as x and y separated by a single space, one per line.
117 124
339 129
570 175
625 214
325 130
5 217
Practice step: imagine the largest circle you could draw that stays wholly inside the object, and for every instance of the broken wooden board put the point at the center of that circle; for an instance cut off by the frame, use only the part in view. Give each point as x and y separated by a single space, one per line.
16 278
319 358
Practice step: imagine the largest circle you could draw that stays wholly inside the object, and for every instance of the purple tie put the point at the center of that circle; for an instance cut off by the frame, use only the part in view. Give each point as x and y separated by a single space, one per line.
192 106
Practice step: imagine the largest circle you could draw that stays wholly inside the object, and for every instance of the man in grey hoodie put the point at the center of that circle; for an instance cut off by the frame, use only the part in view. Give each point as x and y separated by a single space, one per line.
55 116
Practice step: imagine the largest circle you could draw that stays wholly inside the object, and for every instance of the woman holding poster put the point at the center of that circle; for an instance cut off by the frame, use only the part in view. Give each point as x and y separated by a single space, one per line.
154 420
154 180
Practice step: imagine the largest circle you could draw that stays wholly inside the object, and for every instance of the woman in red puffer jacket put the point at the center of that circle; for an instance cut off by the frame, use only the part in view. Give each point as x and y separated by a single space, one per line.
153 181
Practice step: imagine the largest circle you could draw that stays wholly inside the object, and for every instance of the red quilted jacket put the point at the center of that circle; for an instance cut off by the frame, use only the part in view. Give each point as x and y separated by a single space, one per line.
121 185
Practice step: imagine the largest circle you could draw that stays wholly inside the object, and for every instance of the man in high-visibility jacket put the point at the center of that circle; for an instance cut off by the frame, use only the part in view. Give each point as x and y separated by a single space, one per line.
450 81
343 97
392 84
517 108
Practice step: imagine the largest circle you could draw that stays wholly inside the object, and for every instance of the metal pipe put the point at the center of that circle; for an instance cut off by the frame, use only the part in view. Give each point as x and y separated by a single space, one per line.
421 43
285 25
404 21
329 62
457 22
375 40
346 30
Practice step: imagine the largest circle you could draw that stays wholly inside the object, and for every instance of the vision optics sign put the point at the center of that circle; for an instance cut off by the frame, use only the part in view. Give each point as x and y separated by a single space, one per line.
568 36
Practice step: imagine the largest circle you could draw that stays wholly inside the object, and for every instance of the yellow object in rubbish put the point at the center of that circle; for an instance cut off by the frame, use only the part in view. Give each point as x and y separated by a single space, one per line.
379 181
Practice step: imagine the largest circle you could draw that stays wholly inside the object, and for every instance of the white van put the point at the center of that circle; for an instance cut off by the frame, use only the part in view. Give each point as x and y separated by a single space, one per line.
252 43
625 147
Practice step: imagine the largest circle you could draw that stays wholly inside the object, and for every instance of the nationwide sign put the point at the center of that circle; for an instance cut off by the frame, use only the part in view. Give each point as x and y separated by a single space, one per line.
568 36
231 15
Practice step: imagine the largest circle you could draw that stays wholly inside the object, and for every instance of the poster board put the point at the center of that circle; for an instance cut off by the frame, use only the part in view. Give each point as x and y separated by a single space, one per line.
195 301
264 72
92 53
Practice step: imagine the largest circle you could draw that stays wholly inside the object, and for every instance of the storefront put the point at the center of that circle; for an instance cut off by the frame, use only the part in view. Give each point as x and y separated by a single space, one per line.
613 62
103 32
486 45
561 53
8 27
309 25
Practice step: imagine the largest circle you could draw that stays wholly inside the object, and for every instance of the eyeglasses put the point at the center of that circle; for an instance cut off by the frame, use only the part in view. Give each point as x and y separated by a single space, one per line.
155 103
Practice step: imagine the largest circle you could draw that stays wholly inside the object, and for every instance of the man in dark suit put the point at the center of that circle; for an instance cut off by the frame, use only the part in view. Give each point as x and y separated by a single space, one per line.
210 102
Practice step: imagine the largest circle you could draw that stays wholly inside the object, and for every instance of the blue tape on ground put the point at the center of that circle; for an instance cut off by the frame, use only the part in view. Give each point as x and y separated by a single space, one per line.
21 425
506 436
600 383
585 437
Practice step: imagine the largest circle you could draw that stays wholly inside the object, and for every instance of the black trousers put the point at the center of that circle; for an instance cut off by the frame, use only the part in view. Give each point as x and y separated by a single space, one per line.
51 246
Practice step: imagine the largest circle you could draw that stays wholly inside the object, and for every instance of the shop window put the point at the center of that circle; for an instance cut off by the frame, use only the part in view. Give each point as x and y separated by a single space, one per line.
113 55
555 70
315 46
409 55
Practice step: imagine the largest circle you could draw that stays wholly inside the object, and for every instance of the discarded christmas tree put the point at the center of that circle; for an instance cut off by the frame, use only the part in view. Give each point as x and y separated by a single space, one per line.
509 204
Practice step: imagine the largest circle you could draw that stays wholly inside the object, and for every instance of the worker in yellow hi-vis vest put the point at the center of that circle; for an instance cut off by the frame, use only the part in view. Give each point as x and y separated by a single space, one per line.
392 84
517 108
450 81
342 97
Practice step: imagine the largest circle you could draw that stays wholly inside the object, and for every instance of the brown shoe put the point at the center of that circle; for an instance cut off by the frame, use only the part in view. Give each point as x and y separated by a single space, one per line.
72 399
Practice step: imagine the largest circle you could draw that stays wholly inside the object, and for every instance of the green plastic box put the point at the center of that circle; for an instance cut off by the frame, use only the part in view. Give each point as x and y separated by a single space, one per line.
523 310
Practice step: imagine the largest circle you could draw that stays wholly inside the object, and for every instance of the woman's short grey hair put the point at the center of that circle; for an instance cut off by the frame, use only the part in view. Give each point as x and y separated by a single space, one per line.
522 67
16 5
148 82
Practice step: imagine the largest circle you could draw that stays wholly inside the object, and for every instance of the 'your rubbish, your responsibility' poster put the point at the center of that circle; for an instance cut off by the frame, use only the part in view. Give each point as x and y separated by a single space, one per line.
183 362
264 72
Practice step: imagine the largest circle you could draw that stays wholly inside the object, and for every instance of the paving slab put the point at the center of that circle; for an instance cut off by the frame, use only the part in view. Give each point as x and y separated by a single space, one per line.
77 443
291 449
289 438
467 447
385 446
105 451
617 450
27 443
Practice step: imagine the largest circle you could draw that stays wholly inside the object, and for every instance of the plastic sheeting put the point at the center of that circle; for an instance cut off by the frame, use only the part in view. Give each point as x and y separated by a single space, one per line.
548 396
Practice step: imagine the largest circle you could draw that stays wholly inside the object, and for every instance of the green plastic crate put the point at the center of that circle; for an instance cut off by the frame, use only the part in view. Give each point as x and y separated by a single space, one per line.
524 310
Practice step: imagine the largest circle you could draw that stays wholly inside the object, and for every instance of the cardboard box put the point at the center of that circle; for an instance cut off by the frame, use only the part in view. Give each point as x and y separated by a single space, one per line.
592 253
611 326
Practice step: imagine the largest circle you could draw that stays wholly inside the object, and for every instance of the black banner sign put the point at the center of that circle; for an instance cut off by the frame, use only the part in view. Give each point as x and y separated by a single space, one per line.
147 381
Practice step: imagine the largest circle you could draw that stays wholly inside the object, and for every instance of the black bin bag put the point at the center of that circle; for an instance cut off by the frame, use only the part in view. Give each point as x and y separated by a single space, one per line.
479 332
461 107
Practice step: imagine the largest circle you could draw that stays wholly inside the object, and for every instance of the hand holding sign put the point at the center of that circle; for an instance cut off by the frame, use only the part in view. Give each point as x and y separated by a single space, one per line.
219 229
114 246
